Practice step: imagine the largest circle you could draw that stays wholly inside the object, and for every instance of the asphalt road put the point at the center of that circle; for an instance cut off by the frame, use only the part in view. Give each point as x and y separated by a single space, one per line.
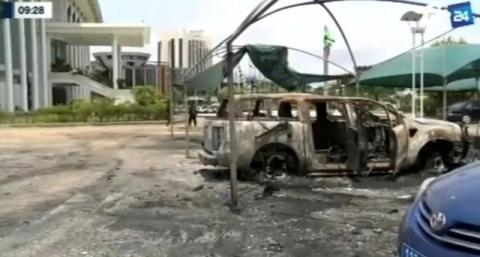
129 191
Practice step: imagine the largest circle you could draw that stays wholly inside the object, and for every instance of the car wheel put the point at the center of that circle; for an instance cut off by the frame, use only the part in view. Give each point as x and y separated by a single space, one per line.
434 163
276 164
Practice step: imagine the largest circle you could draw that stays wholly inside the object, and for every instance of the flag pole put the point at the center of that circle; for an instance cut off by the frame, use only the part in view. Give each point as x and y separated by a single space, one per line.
328 40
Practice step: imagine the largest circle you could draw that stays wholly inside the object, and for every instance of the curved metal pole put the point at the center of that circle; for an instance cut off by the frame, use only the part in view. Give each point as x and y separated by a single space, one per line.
217 51
284 8
259 10
252 15
321 58
251 19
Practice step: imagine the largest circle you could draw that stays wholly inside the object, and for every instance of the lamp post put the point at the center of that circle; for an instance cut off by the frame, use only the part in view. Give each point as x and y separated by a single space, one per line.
413 20
418 25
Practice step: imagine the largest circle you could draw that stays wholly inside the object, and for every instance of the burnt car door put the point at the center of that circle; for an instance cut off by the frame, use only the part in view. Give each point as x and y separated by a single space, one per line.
327 135
356 140
380 131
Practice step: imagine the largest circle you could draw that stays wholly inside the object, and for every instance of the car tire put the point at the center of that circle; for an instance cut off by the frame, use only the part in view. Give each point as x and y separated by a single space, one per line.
434 164
274 165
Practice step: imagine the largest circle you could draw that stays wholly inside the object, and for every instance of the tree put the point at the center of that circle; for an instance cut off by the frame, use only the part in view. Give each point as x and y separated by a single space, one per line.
450 41
146 96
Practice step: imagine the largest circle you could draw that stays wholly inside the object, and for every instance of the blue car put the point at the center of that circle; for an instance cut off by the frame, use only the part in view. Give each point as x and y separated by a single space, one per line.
444 221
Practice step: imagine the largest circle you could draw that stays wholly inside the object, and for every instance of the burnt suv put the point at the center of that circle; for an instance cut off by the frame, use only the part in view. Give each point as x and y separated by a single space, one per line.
307 134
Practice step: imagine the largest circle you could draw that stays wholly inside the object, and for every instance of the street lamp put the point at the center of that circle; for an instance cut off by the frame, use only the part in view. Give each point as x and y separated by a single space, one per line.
417 27
413 20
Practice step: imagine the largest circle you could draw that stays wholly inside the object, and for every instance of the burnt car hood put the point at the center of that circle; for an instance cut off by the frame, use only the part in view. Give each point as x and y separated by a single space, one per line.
434 122
457 195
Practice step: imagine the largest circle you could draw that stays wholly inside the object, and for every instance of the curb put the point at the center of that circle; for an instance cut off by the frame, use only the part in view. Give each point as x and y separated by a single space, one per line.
80 124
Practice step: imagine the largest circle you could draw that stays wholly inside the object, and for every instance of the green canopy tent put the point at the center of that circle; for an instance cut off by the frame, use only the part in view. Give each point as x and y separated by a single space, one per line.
441 62
442 65
456 86
271 61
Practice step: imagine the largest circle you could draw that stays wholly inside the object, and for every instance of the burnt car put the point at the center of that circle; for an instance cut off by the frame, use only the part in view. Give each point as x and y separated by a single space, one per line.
307 134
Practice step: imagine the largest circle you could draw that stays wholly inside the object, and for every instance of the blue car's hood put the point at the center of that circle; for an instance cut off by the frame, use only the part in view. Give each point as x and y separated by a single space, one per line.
457 195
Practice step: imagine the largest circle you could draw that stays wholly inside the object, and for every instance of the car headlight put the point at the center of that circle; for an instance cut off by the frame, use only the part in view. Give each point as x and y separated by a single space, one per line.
466 119
426 183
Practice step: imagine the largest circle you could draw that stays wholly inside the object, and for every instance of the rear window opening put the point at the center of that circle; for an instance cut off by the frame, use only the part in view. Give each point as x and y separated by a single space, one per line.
261 109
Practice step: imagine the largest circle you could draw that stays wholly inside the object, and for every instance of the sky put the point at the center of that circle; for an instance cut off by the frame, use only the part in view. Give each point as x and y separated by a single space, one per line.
373 29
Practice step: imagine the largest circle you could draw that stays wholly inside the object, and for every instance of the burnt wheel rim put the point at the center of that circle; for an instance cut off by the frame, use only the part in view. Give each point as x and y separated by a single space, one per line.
276 166
438 165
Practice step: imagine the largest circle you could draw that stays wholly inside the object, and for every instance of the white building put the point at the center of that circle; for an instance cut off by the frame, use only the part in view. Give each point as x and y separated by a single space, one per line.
134 69
36 55
183 49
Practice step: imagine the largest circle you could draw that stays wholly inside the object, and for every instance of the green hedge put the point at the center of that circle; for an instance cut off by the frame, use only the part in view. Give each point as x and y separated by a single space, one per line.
82 111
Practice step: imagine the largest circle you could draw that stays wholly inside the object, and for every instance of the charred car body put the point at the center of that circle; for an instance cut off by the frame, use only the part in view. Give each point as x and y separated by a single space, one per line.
310 134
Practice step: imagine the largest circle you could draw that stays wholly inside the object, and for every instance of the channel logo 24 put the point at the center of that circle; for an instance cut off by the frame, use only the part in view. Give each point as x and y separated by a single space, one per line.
461 14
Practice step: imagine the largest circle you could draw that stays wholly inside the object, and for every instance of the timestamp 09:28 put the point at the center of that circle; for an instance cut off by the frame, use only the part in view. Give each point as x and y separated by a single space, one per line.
30 10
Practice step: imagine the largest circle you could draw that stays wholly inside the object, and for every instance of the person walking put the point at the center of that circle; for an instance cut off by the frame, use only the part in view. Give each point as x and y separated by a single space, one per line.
192 115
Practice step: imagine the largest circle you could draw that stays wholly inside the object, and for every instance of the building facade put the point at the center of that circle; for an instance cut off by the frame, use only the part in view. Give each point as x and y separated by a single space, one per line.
184 50
135 68
38 55
32 53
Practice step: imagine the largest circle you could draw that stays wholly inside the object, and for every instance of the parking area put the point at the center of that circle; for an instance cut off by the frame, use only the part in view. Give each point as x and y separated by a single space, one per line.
129 191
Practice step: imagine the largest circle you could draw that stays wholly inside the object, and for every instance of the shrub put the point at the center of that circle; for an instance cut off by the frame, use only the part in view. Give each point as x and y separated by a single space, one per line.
58 113
103 109
4 116
82 110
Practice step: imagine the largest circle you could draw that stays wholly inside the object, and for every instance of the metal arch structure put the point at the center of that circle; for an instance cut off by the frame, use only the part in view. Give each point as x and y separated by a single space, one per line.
332 16
258 13
221 52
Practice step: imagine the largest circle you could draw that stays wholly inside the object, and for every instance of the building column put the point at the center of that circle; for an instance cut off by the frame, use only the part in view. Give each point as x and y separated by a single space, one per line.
76 57
49 70
82 56
121 70
7 43
115 58
45 63
134 77
35 72
79 57
23 64
67 56
68 94
145 75
72 93
71 56
88 55
80 92
88 95
155 76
